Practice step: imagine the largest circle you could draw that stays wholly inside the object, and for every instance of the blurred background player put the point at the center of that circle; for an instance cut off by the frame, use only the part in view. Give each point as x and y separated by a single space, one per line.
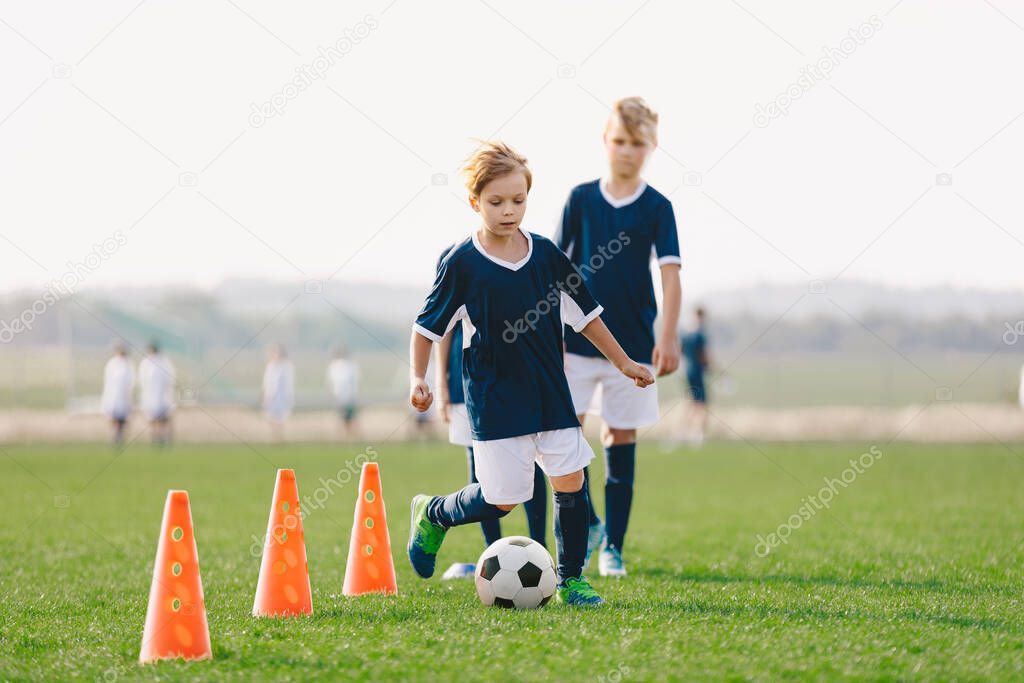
118 384
610 230
514 290
452 409
695 352
343 383
156 392
278 391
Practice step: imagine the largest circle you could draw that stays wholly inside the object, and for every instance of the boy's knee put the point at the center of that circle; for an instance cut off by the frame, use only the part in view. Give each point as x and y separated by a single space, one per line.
568 483
505 509
617 437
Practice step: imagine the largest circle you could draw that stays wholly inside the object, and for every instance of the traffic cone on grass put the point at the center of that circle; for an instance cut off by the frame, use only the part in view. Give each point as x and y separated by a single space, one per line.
176 617
370 567
283 586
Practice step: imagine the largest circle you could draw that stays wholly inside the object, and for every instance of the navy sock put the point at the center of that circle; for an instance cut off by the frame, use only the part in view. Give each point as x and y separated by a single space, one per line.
620 467
571 522
537 508
465 506
592 513
490 527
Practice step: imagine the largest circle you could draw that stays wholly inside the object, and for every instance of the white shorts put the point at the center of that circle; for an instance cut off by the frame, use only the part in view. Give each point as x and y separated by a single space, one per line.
504 467
598 388
459 432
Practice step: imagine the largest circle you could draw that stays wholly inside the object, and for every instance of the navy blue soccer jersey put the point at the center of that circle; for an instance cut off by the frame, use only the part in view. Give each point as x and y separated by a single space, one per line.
512 316
611 242
455 393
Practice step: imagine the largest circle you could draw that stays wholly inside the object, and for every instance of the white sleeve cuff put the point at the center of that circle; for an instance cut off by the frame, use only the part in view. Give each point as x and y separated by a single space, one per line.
436 338
670 261
586 320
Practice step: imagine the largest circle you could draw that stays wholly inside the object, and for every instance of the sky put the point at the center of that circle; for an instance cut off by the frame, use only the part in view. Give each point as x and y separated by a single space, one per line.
156 143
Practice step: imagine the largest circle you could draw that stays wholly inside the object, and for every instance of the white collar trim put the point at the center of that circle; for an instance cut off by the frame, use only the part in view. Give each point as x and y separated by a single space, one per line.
501 262
624 201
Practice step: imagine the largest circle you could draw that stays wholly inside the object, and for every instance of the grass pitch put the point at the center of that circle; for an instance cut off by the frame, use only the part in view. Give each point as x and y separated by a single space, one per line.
914 571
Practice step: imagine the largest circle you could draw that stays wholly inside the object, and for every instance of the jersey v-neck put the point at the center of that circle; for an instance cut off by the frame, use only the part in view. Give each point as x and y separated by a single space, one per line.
502 262
618 203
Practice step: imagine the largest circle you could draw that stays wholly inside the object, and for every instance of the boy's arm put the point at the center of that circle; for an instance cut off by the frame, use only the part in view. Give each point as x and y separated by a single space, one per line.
419 392
665 357
601 337
441 357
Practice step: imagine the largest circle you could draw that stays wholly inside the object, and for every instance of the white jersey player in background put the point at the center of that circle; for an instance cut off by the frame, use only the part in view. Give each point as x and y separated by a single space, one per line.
278 391
156 393
343 383
118 383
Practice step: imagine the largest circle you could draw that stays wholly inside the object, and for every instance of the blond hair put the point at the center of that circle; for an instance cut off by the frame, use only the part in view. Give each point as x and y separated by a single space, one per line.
493 160
639 120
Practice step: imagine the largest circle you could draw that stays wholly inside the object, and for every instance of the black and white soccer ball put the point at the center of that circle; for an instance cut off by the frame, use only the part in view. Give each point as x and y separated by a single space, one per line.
515 572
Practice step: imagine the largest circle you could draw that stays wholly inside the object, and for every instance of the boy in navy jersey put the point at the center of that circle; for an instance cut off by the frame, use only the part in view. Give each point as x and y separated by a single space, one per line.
452 409
611 229
511 290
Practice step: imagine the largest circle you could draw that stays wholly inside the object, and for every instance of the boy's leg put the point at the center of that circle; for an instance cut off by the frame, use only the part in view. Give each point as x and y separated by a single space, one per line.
503 467
624 407
595 527
491 527
570 524
562 454
465 506
592 518
537 508
432 516
583 375
620 467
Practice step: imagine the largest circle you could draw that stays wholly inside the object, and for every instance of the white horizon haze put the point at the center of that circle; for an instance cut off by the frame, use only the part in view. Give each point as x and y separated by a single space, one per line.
176 125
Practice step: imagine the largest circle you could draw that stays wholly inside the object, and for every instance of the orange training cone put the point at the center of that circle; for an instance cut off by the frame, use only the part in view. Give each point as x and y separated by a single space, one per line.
283 586
176 618
370 567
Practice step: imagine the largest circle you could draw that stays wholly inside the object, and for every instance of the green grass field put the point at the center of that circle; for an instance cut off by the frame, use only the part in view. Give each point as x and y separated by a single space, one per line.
914 572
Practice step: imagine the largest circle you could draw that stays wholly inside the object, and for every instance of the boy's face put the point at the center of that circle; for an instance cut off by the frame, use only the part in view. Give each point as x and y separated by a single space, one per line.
502 203
626 154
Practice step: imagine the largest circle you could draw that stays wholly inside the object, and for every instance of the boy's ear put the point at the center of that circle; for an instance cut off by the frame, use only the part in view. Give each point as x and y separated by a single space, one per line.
475 203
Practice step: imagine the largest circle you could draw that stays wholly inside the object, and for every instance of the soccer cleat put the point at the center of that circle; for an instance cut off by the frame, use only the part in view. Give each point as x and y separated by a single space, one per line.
459 570
609 563
578 593
594 538
425 538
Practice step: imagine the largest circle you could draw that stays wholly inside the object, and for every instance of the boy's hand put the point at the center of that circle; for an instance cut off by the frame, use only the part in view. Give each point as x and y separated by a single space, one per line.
419 395
640 375
665 357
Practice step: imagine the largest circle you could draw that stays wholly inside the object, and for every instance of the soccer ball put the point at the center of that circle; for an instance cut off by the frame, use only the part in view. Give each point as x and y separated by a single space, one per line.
515 571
